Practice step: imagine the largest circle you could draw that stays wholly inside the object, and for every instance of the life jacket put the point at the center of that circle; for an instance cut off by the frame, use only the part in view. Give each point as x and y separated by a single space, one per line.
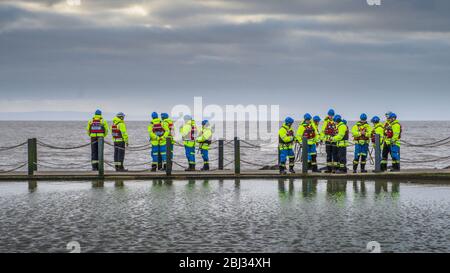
193 132
116 133
97 126
331 129
389 133
362 129
158 128
289 132
310 132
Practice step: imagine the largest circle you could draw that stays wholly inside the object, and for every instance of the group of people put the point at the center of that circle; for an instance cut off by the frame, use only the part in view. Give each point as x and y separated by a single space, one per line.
335 133
160 130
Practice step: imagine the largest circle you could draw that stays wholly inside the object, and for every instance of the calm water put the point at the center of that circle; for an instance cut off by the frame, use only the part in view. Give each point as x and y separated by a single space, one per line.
227 216
68 134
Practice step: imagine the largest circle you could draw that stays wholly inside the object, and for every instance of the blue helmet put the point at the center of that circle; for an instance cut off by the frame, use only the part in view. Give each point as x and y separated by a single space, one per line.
98 112
363 117
120 115
388 113
187 118
375 119
392 116
316 119
205 122
164 116
307 116
344 121
154 115
331 112
337 118
289 120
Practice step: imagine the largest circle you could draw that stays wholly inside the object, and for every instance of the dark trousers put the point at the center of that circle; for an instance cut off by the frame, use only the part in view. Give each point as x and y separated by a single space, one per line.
119 154
94 153
342 157
332 154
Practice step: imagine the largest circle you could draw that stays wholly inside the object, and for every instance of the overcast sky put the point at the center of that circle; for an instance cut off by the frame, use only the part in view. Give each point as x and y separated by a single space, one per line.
142 56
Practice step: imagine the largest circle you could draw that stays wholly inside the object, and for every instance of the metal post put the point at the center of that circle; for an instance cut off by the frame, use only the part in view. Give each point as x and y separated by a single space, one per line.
377 153
168 156
237 156
35 159
279 154
32 156
221 154
101 157
304 155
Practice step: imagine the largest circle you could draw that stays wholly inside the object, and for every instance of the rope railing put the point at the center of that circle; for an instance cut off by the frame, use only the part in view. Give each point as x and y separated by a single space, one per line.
13 169
2 149
223 153
40 143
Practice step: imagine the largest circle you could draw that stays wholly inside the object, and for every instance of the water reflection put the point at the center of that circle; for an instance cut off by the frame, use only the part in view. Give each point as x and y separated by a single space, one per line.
360 188
98 184
119 184
32 185
309 187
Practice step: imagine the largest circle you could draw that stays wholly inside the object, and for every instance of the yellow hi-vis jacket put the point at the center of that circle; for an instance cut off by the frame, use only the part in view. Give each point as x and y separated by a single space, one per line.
286 137
328 123
158 132
362 133
309 131
99 124
397 133
204 140
119 131
378 129
341 138
189 133
168 122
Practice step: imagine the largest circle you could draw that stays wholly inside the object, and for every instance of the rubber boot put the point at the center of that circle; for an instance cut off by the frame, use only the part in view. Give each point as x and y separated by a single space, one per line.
205 167
117 168
355 168
363 168
383 167
291 165
164 167
95 167
395 167
315 169
329 169
282 170
154 166
309 165
191 168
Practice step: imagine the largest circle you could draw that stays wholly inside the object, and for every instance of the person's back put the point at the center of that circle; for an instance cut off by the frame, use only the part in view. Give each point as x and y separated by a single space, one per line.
97 127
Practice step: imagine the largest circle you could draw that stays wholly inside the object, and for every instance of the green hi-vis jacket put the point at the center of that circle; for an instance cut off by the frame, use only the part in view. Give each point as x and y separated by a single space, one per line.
205 137
341 138
121 135
362 132
286 137
104 126
189 133
156 139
